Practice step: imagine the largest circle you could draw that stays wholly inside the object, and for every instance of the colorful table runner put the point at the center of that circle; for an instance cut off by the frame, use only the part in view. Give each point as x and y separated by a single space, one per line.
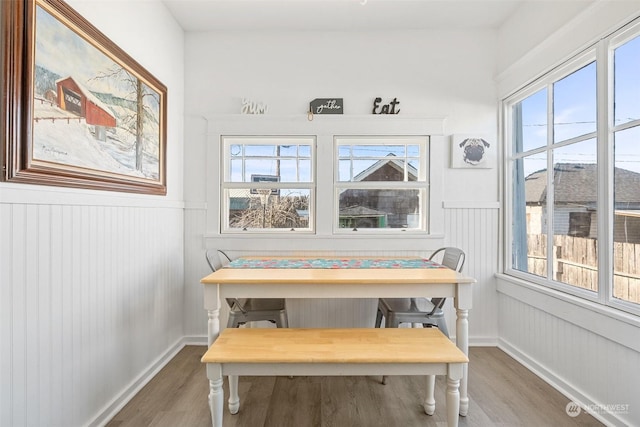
332 263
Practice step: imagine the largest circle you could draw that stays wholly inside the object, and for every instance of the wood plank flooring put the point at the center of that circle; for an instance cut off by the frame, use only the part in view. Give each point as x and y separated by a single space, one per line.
502 393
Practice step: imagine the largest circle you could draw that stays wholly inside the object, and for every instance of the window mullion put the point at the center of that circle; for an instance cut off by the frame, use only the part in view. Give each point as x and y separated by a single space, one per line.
550 179
606 211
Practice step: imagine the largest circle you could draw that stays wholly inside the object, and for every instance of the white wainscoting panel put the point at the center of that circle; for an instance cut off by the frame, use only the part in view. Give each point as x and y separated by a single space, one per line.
473 227
195 316
594 371
470 226
91 297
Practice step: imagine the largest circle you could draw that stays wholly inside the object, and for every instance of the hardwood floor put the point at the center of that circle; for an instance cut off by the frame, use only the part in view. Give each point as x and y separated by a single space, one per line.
502 393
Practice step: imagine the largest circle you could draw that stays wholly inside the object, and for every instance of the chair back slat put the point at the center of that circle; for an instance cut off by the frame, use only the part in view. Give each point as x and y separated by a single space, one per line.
212 260
215 262
452 258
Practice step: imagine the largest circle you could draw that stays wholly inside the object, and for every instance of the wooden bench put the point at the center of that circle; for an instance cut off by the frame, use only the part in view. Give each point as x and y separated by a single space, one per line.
327 352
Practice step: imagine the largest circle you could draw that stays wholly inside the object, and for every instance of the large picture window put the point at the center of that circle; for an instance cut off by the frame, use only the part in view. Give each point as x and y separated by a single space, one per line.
573 180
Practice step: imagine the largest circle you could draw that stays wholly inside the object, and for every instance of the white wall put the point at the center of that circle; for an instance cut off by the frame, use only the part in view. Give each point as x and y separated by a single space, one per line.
531 24
588 352
530 47
434 74
91 283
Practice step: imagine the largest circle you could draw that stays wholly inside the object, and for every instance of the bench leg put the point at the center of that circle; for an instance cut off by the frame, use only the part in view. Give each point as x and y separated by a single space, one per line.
216 395
429 404
462 341
454 373
234 398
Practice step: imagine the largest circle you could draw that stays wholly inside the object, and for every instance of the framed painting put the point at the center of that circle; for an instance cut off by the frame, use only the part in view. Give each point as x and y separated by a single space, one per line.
78 111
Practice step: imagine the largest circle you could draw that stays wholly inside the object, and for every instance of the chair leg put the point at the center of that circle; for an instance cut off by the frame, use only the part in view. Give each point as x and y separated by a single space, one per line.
378 318
389 322
378 324
284 320
281 321
233 321
442 325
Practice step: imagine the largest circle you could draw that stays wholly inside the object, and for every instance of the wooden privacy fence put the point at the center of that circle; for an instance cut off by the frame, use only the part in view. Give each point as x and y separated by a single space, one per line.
575 262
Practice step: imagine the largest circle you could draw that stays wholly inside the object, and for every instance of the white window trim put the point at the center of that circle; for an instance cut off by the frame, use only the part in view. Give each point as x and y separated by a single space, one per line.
227 185
421 184
324 128
603 52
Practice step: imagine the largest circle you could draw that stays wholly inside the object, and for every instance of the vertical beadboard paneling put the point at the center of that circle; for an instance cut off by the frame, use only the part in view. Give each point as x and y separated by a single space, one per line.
584 365
18 341
56 251
90 297
42 260
195 316
6 316
475 230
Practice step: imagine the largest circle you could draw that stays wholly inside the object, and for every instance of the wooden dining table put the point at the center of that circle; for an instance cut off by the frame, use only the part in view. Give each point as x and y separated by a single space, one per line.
339 277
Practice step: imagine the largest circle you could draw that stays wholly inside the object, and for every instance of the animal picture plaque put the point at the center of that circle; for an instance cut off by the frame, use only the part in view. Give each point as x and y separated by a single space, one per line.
474 151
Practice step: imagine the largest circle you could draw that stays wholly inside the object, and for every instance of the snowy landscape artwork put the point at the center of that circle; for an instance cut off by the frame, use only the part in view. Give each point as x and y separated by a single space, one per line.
96 115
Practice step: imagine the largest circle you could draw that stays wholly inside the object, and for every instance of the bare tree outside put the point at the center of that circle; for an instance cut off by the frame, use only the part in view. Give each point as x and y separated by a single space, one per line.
272 211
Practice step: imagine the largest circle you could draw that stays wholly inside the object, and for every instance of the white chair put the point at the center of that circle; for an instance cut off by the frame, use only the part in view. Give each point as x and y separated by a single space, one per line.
244 310
420 310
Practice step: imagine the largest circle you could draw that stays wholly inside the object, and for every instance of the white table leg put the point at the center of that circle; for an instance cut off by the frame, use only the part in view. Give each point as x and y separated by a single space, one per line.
216 394
462 341
213 325
429 404
234 399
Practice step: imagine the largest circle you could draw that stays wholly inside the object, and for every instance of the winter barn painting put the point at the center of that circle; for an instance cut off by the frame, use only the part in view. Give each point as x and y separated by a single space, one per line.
94 117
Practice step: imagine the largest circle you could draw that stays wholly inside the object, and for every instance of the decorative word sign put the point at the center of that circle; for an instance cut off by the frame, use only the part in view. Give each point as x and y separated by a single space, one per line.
389 108
326 106
251 107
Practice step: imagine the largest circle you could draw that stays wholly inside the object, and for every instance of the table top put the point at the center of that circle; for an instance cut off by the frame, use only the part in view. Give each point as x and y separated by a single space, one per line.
353 275
318 345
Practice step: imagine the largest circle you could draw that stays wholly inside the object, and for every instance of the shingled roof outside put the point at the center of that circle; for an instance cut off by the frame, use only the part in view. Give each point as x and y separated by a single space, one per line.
578 183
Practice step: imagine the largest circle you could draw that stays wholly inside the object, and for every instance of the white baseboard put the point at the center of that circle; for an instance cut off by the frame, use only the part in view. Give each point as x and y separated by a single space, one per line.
483 342
195 340
584 401
119 401
111 409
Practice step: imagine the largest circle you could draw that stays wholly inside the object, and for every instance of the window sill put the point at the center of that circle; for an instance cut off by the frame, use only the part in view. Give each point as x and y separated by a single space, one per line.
310 235
325 243
613 324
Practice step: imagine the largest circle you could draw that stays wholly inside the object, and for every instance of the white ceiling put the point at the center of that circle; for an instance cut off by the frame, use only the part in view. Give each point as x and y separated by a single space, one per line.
339 15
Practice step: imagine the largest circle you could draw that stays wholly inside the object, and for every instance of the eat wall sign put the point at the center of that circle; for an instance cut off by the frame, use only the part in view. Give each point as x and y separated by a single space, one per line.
389 108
